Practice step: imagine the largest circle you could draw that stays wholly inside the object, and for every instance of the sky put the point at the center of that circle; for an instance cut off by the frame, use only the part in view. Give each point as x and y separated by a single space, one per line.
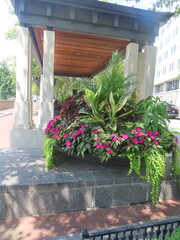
7 21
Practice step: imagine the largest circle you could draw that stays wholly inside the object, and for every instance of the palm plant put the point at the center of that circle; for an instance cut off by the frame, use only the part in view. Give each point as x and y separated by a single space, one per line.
108 94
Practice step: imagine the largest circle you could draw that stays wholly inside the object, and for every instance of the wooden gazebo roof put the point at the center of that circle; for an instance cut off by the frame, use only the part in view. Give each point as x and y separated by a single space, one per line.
86 31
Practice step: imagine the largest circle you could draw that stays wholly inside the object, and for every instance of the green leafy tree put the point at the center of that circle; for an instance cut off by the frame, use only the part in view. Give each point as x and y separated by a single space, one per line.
169 4
7 81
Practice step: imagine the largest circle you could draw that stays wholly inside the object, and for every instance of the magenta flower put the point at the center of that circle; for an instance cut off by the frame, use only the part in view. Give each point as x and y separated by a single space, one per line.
68 143
77 117
125 136
176 139
83 127
112 135
56 136
106 145
97 139
95 131
135 141
141 141
140 134
138 129
128 144
79 132
119 138
149 131
109 151
156 133
152 137
65 135
156 142
67 122
52 130
114 139
74 137
99 145
56 116
57 131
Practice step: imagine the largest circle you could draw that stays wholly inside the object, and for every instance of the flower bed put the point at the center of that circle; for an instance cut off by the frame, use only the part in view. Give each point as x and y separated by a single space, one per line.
108 121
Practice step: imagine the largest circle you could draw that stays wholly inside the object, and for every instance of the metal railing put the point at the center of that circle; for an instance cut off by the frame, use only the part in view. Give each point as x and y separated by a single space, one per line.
160 229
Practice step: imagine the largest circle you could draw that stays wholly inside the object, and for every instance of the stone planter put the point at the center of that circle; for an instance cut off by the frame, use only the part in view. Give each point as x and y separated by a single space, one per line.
63 156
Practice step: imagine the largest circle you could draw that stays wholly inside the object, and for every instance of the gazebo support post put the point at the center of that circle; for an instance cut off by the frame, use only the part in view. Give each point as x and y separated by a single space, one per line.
142 67
46 107
23 134
23 103
146 71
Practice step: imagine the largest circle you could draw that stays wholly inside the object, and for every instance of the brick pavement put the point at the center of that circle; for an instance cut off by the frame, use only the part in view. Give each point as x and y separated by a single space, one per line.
40 227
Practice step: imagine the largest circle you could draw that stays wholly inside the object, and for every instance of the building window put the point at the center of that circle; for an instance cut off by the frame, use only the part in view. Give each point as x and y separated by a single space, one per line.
161 45
166 55
158 73
160 59
172 85
173 49
158 88
164 71
178 62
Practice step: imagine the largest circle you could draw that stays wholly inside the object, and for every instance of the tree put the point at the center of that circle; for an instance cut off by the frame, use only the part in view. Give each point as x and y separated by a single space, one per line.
170 4
7 81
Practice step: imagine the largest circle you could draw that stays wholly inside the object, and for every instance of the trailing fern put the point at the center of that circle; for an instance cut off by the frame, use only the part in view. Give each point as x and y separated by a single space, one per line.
49 152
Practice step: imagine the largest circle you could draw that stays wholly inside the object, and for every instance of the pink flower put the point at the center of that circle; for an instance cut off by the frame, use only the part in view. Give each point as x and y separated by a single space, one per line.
141 141
74 137
57 131
97 139
112 135
114 139
109 151
128 144
52 130
140 134
106 145
56 136
79 132
76 117
125 136
68 143
176 139
95 131
156 133
149 131
138 129
119 138
46 132
56 116
99 145
67 122
83 127
156 142
135 141
152 137
65 135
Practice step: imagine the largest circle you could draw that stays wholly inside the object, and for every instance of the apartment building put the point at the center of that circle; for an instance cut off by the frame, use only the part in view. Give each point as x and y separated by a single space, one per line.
167 75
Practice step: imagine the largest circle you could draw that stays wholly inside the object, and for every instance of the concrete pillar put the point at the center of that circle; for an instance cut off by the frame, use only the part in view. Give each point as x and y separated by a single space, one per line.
131 59
23 103
46 106
146 72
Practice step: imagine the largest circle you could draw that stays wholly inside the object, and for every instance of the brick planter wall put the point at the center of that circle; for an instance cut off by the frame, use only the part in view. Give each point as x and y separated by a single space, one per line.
6 104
